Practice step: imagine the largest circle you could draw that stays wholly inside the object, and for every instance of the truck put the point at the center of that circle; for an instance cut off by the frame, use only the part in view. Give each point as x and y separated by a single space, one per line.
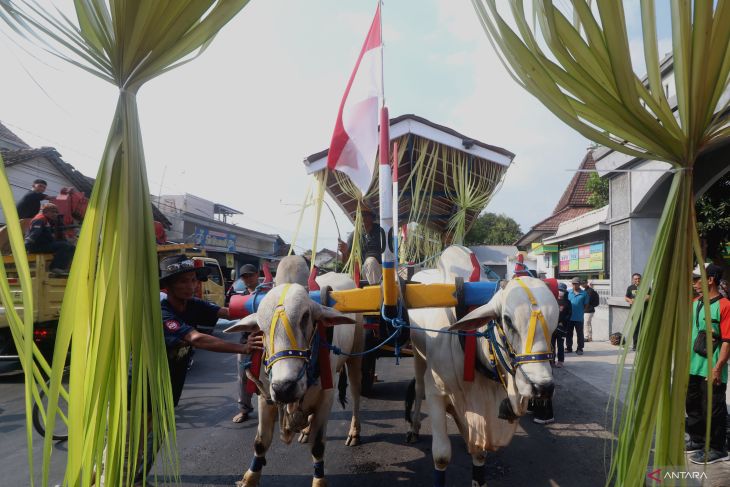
48 290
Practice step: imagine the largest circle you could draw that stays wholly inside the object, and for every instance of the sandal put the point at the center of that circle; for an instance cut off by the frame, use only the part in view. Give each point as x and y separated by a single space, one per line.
240 417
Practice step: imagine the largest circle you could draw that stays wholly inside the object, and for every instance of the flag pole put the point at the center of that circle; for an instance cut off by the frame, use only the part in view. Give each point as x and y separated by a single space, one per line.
385 190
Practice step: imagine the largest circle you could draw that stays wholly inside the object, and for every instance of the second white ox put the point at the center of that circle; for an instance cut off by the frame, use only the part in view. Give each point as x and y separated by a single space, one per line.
478 406
289 318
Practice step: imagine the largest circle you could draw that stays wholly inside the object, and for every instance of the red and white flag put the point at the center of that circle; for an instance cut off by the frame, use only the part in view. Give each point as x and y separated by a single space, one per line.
355 139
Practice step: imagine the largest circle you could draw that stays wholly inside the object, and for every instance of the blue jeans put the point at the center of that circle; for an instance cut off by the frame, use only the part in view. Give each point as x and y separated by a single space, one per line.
578 327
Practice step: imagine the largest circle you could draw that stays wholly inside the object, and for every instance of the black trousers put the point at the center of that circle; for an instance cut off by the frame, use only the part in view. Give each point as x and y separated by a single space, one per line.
63 253
558 349
696 406
636 333
578 327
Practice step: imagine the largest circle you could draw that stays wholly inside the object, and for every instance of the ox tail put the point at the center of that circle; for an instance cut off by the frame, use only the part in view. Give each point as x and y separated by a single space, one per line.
410 399
342 387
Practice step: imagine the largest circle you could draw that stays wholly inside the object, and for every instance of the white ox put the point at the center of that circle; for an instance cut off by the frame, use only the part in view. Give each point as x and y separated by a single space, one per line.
303 407
439 366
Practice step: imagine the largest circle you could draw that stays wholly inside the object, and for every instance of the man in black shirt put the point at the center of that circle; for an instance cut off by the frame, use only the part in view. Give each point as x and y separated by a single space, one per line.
181 312
593 302
630 296
371 245
30 204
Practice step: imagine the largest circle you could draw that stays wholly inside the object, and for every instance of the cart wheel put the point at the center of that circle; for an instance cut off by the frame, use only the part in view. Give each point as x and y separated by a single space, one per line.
368 374
60 431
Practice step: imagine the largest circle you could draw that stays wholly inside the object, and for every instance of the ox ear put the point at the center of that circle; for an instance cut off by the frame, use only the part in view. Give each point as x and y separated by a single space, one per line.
477 318
329 316
246 325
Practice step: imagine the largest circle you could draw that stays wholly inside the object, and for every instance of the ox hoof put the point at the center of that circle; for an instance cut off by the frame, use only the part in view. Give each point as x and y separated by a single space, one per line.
287 436
353 440
303 438
412 437
319 482
250 479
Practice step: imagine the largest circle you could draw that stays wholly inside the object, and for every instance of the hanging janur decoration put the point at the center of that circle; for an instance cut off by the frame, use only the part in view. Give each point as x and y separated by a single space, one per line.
111 310
582 72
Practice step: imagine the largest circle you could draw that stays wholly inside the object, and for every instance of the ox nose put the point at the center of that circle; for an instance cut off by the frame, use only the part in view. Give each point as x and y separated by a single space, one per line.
284 391
543 391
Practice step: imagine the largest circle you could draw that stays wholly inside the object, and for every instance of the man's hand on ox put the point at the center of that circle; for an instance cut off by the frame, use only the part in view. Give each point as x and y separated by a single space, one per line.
255 341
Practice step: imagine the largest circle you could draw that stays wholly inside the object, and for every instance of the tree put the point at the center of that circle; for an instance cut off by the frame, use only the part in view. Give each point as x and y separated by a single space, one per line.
598 187
713 216
493 229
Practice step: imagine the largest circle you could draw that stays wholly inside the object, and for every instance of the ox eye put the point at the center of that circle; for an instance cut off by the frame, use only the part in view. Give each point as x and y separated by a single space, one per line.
508 322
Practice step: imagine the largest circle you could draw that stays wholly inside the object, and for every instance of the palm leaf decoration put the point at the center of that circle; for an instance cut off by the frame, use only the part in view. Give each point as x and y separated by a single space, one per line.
582 72
111 309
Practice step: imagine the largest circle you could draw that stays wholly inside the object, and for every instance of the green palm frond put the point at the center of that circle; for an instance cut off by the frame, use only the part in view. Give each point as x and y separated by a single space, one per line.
111 311
582 72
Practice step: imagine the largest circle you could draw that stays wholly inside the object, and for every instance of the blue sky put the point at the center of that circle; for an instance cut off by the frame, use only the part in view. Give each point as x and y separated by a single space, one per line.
234 125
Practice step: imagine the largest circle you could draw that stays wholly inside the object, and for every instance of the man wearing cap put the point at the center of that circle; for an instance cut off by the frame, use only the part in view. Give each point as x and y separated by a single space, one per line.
578 301
699 380
182 311
593 302
371 248
248 280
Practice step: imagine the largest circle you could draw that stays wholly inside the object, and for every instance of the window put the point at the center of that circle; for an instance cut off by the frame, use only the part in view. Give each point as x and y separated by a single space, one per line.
215 274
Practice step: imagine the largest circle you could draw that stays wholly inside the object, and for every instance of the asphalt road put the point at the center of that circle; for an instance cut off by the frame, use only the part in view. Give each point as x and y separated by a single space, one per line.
213 451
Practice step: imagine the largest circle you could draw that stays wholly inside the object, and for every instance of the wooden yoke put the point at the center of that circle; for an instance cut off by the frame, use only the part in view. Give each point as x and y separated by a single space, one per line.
368 299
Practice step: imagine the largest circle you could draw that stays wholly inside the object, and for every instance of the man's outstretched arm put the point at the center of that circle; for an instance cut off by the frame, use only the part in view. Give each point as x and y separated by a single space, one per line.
215 344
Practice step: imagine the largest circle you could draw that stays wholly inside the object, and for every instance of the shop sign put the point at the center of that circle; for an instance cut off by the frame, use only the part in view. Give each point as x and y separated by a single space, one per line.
583 258
207 238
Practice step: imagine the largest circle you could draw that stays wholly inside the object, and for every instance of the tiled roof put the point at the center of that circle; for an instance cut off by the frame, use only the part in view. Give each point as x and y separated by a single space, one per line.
7 134
576 194
80 182
550 224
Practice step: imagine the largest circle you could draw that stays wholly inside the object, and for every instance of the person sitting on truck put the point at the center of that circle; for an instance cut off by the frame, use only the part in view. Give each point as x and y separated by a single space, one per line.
43 237
30 204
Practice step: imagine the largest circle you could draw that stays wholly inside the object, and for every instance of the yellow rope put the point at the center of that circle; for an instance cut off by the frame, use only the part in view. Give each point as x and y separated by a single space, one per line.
305 204
321 177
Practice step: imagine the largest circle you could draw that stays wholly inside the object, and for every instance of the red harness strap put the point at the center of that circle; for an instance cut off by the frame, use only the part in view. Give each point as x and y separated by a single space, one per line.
255 370
470 355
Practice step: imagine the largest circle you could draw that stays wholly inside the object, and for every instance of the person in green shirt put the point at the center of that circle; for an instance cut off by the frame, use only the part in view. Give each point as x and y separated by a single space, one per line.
700 380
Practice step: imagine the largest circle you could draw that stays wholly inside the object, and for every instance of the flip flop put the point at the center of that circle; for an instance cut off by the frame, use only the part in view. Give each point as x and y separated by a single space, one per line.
240 417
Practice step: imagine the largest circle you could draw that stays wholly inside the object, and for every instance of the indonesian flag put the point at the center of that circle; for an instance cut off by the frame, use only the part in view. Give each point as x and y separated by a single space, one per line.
355 139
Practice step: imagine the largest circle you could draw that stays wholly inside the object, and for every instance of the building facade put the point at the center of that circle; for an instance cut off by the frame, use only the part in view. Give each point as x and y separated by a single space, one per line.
203 222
